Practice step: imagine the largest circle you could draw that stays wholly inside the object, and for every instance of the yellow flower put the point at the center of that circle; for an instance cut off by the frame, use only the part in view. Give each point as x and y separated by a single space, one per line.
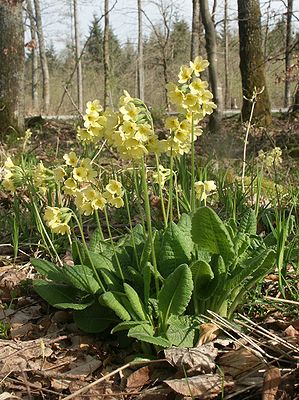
125 99
61 228
210 186
114 187
200 193
198 65
197 86
59 174
172 123
189 100
99 203
80 174
90 174
89 193
129 112
185 74
8 185
70 186
71 159
8 164
86 209
92 106
117 202
51 215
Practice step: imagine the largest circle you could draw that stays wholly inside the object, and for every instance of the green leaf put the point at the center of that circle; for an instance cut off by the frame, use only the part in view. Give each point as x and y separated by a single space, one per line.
96 243
175 249
125 326
248 223
111 300
176 292
95 318
135 302
182 331
48 269
82 278
202 274
210 233
145 333
59 295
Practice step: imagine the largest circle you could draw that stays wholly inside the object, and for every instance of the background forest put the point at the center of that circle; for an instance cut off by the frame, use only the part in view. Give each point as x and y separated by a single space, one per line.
166 45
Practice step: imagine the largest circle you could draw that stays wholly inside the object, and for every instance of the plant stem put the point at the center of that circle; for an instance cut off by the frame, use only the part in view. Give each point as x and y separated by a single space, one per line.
149 223
245 144
161 193
192 198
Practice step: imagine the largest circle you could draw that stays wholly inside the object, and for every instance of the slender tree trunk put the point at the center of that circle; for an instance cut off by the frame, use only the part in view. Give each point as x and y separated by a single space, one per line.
288 55
211 47
78 58
227 101
197 45
295 107
11 67
43 57
252 61
140 67
106 55
34 59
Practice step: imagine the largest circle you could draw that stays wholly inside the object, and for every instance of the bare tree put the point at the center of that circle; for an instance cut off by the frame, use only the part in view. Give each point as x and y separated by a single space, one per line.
11 66
252 61
226 57
197 46
211 47
106 55
140 64
78 58
43 57
34 60
288 54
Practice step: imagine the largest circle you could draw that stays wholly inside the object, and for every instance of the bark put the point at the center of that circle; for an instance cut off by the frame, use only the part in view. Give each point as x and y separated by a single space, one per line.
211 47
226 58
252 62
140 63
11 66
34 59
43 57
78 58
295 107
197 45
106 55
288 55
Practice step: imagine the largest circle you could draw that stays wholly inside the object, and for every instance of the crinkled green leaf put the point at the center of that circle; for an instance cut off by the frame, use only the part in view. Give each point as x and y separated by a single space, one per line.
125 326
82 278
135 302
176 248
95 318
112 300
48 269
145 333
182 331
210 233
248 223
176 292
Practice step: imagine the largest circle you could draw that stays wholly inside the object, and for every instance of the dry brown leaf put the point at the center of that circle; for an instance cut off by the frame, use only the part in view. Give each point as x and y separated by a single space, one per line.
237 362
15 355
6 395
271 384
156 393
202 386
208 332
196 359
85 367
139 378
291 331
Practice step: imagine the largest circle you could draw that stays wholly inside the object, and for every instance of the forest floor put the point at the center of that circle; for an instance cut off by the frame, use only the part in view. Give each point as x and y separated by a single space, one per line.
44 355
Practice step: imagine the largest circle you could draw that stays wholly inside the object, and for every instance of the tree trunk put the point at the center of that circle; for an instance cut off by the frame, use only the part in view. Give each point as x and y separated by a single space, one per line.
288 55
78 58
106 55
211 47
295 107
43 57
11 66
34 59
197 46
252 62
227 102
140 64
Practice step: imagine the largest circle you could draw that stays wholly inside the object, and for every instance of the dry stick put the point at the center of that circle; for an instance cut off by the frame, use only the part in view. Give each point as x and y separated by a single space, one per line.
72 101
278 300
34 386
81 55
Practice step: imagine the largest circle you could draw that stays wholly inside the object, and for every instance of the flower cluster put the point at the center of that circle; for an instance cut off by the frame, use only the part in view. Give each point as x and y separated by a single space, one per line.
58 219
204 189
270 158
78 180
193 101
